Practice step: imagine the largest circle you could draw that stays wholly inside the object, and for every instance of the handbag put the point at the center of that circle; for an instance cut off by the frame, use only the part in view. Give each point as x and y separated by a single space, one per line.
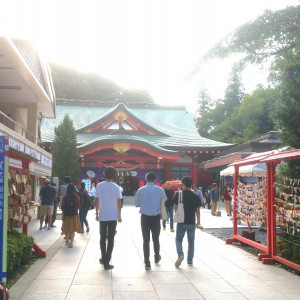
163 212
179 215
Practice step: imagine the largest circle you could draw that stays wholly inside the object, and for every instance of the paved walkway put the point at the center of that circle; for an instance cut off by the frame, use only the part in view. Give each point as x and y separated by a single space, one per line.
220 271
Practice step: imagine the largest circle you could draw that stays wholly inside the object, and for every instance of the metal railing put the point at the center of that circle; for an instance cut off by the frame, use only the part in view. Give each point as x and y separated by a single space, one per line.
11 124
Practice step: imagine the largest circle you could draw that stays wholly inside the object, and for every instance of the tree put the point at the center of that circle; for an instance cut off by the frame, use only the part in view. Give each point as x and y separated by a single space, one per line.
202 114
64 151
234 92
273 36
253 117
72 84
288 109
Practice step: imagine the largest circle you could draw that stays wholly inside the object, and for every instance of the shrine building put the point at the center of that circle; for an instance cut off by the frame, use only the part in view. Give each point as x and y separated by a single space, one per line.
135 138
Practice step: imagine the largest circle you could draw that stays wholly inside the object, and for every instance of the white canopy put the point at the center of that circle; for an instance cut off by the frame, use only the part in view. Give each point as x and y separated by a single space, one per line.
250 170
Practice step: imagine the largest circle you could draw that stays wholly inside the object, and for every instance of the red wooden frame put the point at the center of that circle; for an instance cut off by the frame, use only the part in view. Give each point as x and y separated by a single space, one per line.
271 161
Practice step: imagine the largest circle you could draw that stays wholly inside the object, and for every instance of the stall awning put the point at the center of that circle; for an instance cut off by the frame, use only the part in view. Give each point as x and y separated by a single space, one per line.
249 170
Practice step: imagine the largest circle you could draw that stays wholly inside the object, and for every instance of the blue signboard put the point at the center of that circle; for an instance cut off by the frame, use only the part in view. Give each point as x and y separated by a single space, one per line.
87 184
3 207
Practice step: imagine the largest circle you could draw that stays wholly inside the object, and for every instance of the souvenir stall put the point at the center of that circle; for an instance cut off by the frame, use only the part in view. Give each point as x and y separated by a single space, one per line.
251 198
21 192
288 218
283 211
251 206
19 198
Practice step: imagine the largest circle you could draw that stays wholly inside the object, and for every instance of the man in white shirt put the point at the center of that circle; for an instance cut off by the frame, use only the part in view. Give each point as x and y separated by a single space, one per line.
108 212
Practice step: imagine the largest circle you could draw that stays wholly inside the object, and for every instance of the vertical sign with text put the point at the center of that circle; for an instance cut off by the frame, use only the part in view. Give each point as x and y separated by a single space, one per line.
3 207
87 184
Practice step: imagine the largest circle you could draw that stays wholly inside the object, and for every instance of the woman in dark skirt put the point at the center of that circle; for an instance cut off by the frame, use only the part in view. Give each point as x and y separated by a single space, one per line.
71 223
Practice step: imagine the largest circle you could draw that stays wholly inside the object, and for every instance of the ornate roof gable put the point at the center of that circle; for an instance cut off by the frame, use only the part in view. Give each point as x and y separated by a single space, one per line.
119 118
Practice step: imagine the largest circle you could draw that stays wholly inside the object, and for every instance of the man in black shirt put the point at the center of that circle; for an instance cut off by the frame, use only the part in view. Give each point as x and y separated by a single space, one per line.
169 203
191 206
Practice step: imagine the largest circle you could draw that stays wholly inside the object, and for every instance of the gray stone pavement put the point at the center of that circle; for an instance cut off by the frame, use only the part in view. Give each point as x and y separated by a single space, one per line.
220 271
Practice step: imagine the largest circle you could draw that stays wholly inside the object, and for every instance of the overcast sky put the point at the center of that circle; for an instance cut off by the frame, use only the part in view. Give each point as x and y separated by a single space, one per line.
138 44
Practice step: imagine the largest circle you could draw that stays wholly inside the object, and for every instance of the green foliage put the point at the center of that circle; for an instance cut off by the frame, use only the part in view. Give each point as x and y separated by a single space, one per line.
64 151
207 117
72 84
287 112
204 103
234 92
273 36
270 35
291 169
19 247
251 118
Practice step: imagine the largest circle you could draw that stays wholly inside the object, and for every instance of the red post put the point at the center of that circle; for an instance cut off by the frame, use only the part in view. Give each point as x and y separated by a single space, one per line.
266 256
234 228
273 209
194 172
236 177
25 229
167 172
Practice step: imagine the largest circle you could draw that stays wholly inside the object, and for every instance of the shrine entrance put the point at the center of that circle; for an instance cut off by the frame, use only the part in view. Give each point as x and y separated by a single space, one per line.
129 184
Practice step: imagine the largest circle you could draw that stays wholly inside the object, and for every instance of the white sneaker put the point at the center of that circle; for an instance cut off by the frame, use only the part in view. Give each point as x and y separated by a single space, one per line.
70 245
179 260
67 242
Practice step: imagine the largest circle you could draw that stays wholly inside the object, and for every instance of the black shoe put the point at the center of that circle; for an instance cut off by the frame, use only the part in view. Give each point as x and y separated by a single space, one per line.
108 267
53 226
147 267
101 261
157 259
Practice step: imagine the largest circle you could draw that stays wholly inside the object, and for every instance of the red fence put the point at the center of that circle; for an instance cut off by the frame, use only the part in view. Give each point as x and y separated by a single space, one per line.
271 160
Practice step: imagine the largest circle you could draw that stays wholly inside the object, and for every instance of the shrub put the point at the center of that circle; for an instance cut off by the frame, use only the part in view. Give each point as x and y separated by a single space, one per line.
19 247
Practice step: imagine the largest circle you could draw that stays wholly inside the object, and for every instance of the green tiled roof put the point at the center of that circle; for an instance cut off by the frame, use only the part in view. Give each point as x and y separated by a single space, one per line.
127 139
176 125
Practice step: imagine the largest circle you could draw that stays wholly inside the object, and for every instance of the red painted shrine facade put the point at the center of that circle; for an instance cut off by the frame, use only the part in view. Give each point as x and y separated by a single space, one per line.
134 138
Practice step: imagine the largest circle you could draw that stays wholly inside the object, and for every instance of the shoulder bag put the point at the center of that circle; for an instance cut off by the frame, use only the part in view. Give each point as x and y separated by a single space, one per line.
163 212
179 215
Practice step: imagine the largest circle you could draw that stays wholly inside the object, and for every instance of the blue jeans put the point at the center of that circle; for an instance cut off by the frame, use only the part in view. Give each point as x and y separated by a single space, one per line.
82 216
180 232
169 210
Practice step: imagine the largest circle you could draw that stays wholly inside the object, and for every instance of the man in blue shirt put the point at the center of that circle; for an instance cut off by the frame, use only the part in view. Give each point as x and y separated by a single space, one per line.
148 198
214 198
47 196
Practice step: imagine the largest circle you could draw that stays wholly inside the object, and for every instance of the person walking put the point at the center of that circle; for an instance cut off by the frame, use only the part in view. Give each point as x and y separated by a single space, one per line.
169 206
84 207
93 190
214 198
71 223
63 189
191 207
199 193
148 198
227 200
54 209
108 212
47 196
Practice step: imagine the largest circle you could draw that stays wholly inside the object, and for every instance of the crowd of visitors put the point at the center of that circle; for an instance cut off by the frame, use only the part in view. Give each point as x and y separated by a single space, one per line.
182 207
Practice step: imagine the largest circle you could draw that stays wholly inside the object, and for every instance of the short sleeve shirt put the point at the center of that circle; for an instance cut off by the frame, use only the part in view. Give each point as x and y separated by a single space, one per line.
148 198
108 194
47 195
191 201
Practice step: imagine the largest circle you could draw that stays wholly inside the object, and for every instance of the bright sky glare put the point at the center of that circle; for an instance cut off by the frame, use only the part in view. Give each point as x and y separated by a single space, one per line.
150 44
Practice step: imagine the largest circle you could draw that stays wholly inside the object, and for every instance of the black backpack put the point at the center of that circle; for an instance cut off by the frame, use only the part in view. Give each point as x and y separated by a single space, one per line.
70 207
90 202
87 201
